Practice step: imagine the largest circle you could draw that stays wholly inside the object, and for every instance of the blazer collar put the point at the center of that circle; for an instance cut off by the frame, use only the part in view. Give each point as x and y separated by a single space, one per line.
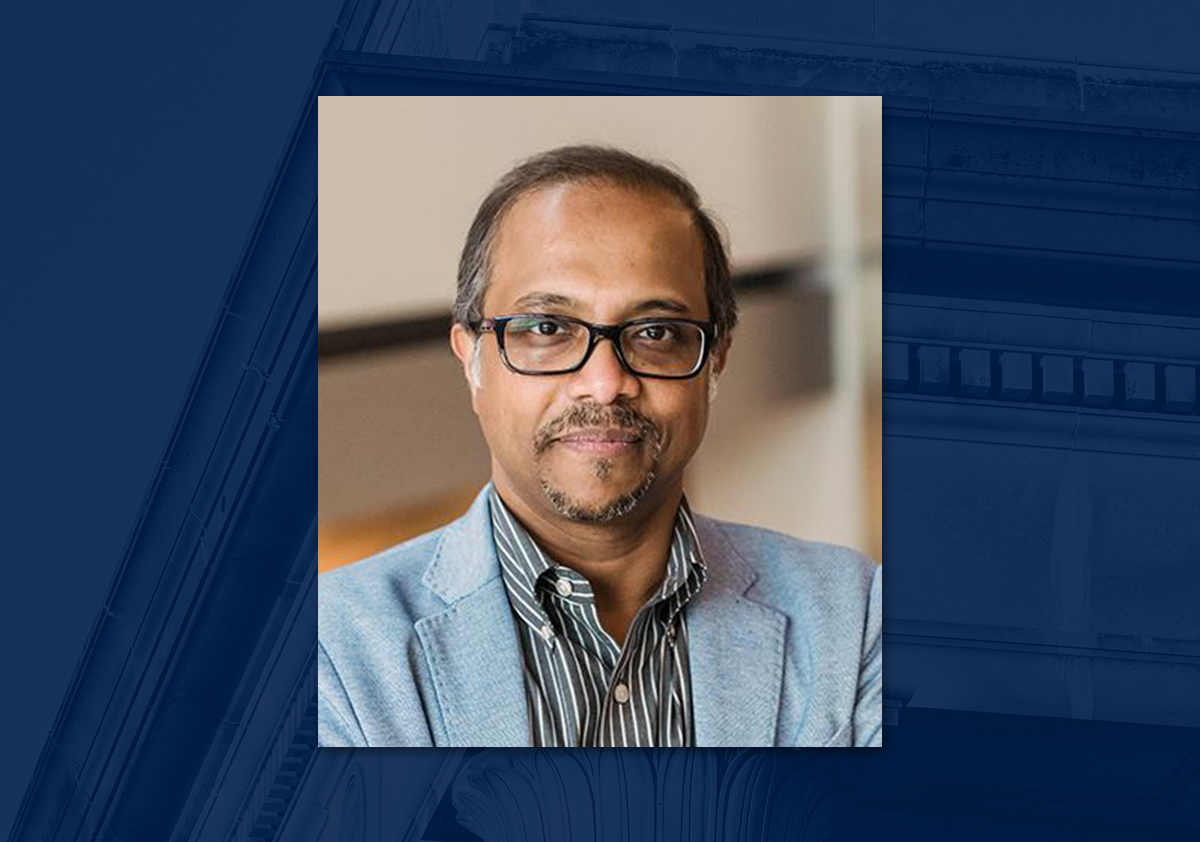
471 645
736 647
736 651
466 556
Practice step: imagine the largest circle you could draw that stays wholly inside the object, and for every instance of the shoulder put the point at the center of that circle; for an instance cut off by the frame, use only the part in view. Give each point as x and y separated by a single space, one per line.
787 570
378 594
369 678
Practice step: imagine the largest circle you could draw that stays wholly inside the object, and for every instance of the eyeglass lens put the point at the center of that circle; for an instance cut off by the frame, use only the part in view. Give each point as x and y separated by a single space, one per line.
542 344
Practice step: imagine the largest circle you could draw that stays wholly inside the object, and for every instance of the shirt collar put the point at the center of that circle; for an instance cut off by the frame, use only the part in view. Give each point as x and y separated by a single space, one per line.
528 569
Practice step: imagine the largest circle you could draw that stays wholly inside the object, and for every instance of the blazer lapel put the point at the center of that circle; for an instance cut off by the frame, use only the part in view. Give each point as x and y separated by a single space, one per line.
471 646
736 650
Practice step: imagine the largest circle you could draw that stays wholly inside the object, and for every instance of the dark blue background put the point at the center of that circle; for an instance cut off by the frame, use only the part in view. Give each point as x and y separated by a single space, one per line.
140 145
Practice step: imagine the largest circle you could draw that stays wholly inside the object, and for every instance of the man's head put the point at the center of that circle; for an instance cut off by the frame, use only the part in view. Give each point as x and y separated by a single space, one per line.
602 237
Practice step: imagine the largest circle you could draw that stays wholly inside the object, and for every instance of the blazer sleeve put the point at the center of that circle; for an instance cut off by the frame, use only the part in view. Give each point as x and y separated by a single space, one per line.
337 723
868 706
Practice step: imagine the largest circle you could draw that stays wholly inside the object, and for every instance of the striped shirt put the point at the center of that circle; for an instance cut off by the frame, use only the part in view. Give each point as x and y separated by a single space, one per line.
582 688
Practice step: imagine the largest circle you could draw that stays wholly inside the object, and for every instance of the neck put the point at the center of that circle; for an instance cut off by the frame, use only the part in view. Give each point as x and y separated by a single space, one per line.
624 560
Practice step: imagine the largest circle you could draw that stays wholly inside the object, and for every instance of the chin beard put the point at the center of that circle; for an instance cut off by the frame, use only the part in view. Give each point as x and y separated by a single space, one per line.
614 509
582 416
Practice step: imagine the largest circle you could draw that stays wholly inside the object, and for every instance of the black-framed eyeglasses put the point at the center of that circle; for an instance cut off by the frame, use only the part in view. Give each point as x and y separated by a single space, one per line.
546 343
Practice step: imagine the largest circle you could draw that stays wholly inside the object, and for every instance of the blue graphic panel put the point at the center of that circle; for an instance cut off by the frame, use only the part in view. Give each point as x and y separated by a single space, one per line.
1042 341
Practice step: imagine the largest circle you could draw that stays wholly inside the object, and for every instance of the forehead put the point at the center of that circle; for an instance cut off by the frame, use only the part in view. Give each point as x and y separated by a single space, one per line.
603 246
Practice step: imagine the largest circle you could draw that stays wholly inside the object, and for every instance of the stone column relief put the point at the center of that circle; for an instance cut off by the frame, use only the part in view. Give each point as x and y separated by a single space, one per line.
353 818
634 795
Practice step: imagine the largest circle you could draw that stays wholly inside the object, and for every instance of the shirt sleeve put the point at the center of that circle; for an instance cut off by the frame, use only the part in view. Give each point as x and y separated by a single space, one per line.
868 706
337 723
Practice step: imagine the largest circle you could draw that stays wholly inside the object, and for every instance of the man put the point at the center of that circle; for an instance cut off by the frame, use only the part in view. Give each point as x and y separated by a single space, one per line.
580 601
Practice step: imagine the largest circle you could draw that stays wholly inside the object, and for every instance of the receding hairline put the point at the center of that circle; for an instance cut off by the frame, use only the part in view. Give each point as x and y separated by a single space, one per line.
592 182
595 166
602 181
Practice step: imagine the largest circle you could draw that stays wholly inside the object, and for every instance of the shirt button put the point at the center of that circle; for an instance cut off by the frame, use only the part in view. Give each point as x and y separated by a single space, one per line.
621 693
563 586
546 632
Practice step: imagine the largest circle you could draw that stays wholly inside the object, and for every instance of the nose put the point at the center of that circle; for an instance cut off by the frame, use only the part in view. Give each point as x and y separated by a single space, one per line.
603 379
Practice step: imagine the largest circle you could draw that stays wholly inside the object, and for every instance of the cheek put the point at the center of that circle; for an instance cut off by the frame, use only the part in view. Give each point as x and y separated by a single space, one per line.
510 414
682 416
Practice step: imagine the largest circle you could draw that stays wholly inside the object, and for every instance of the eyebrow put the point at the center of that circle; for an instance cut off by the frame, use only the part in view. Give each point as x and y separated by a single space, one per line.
543 300
552 300
660 304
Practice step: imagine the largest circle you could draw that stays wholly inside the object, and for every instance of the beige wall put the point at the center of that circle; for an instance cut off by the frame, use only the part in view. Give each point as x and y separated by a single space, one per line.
789 443
400 179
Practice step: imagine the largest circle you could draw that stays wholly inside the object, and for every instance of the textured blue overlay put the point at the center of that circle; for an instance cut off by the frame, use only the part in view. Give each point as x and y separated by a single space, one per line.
1042 341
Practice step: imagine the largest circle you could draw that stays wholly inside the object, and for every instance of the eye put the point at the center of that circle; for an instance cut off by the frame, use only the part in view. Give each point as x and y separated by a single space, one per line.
656 333
546 326
542 331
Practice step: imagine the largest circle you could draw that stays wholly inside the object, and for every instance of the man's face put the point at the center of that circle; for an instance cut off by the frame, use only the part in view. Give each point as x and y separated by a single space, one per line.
597 444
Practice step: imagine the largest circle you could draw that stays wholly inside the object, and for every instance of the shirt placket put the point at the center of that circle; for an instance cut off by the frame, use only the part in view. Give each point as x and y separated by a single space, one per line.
585 647
566 595
621 704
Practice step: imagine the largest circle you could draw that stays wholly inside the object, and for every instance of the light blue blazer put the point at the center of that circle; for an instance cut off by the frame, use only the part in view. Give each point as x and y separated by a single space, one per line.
417 646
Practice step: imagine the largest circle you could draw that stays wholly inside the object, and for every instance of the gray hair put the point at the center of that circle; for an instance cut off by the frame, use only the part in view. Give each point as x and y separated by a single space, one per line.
569 164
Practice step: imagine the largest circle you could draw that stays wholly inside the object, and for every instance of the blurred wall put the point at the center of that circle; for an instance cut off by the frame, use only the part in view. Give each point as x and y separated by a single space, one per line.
792 442
400 179
805 460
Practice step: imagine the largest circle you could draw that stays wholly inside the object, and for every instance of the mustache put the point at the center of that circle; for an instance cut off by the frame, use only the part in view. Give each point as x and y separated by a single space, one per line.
584 416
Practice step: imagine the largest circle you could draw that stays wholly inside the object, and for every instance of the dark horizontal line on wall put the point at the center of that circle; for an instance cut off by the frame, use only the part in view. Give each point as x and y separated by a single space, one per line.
355 340
768 278
379 336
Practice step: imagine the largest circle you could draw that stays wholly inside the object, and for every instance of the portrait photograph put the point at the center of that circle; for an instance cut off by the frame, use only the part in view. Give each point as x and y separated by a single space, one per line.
599 422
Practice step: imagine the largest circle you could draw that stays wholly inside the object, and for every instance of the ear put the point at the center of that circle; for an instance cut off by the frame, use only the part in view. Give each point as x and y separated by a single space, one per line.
720 354
462 342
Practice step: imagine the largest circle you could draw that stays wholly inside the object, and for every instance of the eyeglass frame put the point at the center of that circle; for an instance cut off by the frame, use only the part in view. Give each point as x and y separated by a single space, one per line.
596 332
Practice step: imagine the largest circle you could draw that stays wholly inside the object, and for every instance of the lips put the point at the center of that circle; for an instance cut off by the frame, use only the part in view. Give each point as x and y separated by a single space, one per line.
607 442
593 427
607 436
